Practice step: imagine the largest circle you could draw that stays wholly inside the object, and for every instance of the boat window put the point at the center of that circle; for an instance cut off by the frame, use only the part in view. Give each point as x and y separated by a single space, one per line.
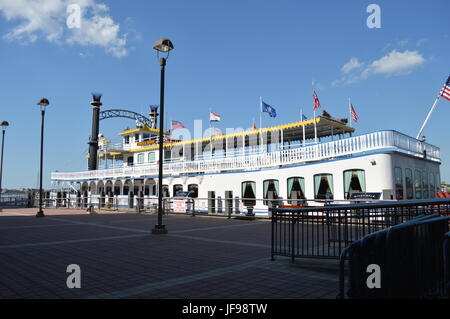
126 188
398 172
193 190
151 157
248 192
141 158
126 139
425 185
136 138
166 192
146 137
177 188
409 184
296 190
323 186
130 161
271 188
432 186
295 187
354 182
418 183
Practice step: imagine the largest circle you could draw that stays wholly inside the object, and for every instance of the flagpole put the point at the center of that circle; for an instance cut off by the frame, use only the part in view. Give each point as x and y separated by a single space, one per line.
210 124
428 117
315 124
350 112
260 125
303 126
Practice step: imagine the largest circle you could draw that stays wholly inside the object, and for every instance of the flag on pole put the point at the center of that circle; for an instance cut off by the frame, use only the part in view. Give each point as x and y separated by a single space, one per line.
445 92
304 117
176 125
316 101
213 117
268 109
353 112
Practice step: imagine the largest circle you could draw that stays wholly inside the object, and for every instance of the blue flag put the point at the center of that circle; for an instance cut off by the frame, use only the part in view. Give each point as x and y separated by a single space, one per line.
267 108
304 118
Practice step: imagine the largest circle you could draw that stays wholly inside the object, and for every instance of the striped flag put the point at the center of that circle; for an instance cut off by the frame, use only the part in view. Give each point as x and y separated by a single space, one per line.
445 92
353 112
176 125
316 101
213 117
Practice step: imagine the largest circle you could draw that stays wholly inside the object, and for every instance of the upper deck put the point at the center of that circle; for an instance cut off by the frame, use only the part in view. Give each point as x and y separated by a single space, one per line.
284 156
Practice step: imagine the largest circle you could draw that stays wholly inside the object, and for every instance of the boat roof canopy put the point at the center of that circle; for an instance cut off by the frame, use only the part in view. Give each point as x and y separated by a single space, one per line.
291 132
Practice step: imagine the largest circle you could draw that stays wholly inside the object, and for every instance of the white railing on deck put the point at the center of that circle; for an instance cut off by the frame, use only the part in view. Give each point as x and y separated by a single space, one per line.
344 147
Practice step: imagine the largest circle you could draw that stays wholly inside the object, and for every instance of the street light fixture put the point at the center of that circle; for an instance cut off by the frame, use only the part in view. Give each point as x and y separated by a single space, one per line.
164 46
43 103
4 125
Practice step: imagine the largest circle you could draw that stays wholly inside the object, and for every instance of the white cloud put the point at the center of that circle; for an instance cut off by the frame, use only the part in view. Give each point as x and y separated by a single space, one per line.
351 65
46 19
395 63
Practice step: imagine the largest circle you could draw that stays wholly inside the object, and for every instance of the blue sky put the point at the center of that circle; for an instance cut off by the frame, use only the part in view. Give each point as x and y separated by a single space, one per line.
227 54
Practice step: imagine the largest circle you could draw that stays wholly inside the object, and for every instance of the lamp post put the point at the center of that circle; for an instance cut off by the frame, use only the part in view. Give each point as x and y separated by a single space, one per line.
43 103
4 125
163 46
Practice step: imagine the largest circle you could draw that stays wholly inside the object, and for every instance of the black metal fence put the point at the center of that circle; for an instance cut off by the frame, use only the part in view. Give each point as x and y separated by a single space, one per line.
404 261
447 263
325 231
14 202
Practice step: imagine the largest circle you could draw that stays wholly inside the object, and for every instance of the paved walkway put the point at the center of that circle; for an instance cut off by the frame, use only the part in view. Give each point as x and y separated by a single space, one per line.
201 257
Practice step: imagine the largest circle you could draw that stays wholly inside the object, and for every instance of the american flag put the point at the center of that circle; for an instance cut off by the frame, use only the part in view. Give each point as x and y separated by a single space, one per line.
446 90
177 125
353 112
316 101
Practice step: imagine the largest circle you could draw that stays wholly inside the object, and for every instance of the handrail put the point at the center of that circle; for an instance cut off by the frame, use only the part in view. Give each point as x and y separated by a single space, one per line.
328 150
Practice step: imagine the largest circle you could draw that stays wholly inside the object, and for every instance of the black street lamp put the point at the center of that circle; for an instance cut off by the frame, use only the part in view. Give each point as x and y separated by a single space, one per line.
164 46
43 103
4 125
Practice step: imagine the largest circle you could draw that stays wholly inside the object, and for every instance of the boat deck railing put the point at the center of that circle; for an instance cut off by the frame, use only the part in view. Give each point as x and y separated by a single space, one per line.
382 140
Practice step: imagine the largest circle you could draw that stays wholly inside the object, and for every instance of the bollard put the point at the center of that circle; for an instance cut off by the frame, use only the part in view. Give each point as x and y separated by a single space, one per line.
211 202
193 207
78 199
85 199
229 203
102 200
130 199
219 204
141 201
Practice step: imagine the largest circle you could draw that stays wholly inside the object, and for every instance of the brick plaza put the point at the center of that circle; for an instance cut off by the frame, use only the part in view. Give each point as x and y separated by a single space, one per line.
201 257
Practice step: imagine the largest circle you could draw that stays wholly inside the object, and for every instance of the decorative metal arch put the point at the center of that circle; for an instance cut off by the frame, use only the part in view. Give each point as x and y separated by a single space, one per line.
107 114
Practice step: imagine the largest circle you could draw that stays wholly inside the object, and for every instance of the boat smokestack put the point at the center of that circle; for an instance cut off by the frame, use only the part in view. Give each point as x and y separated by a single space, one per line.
153 115
93 142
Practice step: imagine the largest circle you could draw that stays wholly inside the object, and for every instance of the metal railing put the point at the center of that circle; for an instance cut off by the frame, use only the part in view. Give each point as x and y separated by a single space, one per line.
408 257
343 147
13 201
324 232
214 206
447 263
